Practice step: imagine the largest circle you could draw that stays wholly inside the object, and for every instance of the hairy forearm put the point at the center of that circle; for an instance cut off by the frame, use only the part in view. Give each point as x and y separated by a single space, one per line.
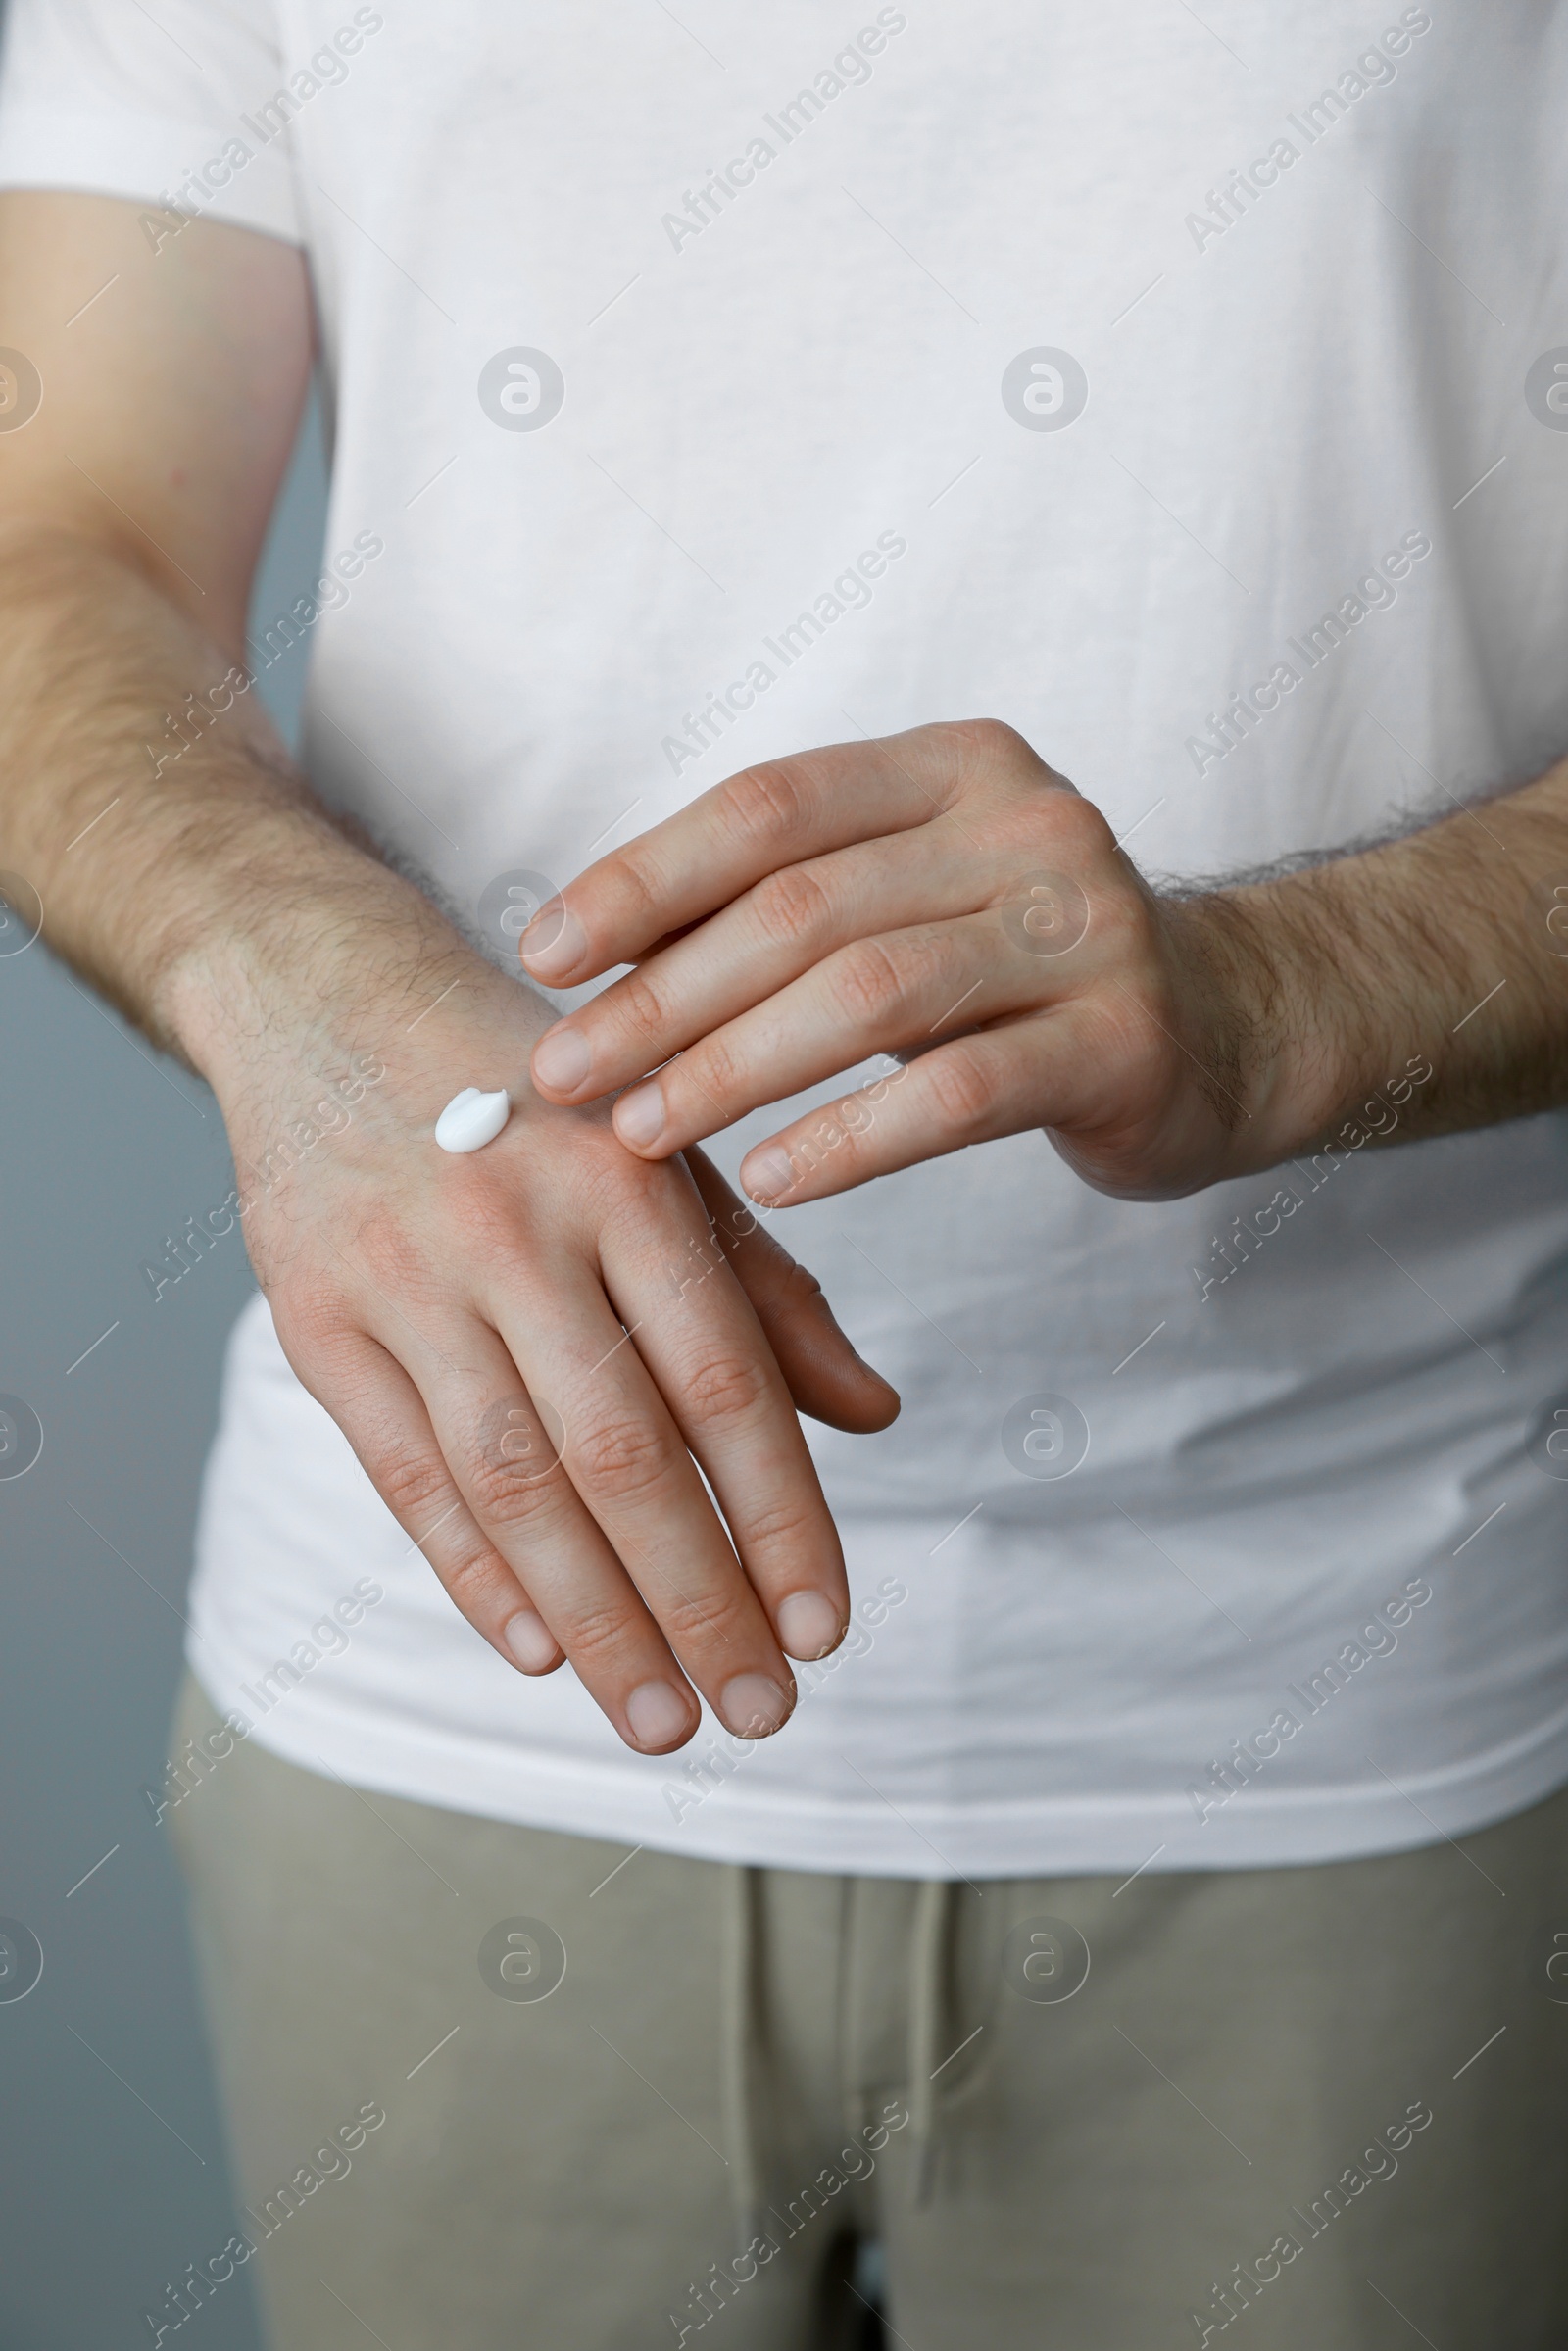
1431 949
183 865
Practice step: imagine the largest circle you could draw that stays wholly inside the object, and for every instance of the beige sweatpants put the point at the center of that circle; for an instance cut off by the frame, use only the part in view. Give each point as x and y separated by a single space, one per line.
491 2088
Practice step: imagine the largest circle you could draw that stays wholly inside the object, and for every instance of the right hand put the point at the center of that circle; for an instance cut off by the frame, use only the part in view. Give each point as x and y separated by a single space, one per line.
462 1317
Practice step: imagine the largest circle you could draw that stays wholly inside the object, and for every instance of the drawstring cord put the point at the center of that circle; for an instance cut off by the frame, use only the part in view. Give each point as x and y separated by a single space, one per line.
928 1939
736 2004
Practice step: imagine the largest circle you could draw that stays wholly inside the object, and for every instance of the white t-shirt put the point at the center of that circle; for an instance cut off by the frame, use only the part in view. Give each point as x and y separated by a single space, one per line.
1183 392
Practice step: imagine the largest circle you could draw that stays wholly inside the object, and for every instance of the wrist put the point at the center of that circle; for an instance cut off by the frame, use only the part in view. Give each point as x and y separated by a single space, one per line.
1287 1039
314 946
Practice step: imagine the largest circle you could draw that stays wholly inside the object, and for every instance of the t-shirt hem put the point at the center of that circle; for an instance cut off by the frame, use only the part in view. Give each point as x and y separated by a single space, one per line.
1086 1836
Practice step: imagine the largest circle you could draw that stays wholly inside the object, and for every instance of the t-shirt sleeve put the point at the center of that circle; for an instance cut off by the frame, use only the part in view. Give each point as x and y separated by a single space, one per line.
171 106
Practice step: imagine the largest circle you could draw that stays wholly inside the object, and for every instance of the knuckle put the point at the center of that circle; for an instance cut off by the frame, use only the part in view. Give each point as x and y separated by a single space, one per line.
722 1386
792 907
619 1459
781 1524
721 1619
410 1480
993 739
639 1007
798 1288
767 802
314 1324
639 888
1045 825
962 1087
504 1498
868 980
595 1635
616 1188
1077 825
715 1069
474 1581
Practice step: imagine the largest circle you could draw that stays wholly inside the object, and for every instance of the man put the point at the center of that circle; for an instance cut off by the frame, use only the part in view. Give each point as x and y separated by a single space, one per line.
1140 1909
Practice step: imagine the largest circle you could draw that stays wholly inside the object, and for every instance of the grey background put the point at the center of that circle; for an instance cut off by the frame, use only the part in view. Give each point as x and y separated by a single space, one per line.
112 2168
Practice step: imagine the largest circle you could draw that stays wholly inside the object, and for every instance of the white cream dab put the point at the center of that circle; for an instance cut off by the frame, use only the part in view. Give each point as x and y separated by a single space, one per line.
472 1119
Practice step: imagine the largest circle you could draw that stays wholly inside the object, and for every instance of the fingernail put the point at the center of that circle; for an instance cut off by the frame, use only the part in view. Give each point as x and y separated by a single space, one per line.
767 1173
808 1624
530 1640
640 1115
561 1059
657 1714
752 1705
563 950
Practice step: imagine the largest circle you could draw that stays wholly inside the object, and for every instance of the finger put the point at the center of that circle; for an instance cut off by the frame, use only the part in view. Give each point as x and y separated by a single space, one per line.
702 1345
380 1411
778 929
825 1375
878 994
766 816
631 1465
504 1449
479 1449
1040 1070
635 1484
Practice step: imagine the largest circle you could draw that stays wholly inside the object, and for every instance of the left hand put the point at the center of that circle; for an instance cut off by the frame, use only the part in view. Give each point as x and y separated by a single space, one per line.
943 897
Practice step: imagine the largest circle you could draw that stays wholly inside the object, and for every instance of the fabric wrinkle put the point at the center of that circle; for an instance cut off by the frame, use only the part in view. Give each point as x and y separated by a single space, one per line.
929 1938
